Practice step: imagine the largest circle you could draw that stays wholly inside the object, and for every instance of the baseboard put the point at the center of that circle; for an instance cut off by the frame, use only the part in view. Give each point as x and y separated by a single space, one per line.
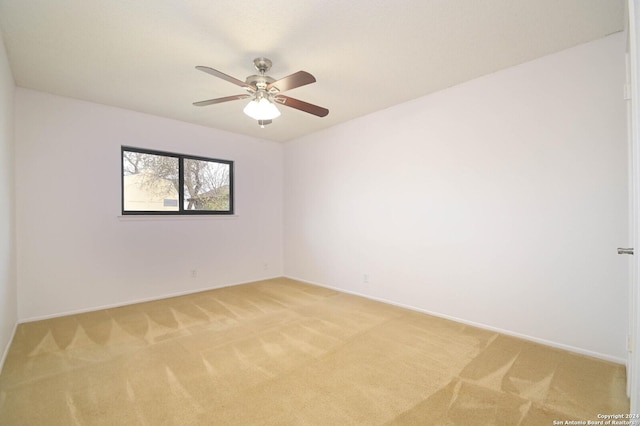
545 342
5 352
133 302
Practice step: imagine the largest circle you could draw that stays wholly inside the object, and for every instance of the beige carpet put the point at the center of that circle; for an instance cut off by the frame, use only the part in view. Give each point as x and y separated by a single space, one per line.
280 352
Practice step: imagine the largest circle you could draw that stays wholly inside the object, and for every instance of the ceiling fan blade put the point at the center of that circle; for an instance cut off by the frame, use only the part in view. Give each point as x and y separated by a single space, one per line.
301 105
220 100
300 78
223 76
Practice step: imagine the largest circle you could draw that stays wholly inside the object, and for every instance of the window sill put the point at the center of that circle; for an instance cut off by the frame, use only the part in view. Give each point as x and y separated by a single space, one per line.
159 217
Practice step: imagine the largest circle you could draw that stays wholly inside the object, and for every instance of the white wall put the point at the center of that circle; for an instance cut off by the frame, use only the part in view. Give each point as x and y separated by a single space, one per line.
75 253
8 288
499 202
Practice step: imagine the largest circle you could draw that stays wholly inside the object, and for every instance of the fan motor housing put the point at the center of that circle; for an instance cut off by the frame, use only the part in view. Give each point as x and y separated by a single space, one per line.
259 81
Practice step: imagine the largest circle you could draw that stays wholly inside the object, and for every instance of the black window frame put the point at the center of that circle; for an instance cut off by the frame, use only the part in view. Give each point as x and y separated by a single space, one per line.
181 211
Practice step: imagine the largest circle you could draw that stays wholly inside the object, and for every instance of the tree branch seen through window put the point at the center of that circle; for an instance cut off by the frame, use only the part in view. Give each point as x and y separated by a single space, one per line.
155 182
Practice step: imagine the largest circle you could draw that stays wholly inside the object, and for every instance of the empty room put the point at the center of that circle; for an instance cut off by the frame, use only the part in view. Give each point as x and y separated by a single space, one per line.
319 212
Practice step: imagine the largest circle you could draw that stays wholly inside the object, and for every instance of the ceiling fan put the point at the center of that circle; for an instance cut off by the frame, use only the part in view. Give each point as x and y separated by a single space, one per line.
265 92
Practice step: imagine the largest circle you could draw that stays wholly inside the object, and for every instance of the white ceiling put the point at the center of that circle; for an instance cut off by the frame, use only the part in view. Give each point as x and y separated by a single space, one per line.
366 55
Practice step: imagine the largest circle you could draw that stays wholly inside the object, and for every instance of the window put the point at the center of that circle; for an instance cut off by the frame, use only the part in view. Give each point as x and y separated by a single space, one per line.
155 182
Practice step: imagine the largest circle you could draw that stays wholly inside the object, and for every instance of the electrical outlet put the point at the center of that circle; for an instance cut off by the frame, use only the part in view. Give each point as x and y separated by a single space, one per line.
265 266
194 273
365 278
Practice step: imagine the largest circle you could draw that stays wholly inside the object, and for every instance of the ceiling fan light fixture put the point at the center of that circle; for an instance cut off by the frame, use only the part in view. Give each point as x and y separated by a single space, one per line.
262 109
